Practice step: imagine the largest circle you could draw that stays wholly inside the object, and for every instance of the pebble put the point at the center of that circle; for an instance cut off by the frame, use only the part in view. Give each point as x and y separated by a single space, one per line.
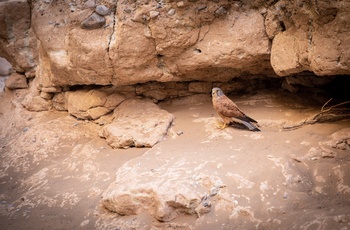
214 191
102 10
127 10
72 8
47 96
206 202
202 7
94 21
220 11
84 223
89 4
180 4
153 14
171 12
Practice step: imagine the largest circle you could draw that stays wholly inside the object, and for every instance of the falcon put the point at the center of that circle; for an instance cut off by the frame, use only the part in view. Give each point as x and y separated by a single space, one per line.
229 111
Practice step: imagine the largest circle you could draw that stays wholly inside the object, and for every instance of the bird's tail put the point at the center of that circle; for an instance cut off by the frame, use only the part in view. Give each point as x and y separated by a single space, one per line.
250 126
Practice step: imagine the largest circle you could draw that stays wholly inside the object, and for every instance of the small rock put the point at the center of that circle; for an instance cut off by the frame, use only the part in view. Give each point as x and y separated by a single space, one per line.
180 4
53 89
153 14
171 11
202 7
206 201
89 4
30 73
102 10
220 11
47 96
36 103
72 8
159 5
84 223
127 10
285 195
214 191
59 102
94 21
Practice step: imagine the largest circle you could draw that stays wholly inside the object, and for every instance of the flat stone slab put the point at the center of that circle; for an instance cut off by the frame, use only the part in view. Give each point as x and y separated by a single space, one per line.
162 185
137 123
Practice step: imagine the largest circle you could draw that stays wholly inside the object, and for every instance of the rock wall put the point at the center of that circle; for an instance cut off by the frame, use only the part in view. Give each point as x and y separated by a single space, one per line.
75 42
109 42
314 37
145 41
17 40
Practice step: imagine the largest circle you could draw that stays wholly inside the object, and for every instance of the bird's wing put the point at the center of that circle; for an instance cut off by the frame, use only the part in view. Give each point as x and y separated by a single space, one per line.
229 109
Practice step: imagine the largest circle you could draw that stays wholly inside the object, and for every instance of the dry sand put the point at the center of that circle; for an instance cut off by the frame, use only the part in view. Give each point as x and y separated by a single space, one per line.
54 168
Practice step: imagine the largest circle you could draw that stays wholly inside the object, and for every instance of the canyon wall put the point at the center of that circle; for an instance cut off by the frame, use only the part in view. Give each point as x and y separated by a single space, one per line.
108 42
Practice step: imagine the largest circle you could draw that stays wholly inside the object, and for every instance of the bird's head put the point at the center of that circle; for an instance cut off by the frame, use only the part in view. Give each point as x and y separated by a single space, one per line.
216 92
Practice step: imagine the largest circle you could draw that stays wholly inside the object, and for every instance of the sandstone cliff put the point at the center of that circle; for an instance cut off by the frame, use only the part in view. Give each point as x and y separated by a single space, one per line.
77 43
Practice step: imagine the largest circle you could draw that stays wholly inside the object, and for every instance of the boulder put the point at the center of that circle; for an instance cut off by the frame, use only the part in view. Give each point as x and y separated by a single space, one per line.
36 103
137 123
59 102
162 186
92 104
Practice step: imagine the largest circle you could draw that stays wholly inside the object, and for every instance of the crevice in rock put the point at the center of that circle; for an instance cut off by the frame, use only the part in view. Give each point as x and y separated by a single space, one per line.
114 13
309 37
282 26
113 30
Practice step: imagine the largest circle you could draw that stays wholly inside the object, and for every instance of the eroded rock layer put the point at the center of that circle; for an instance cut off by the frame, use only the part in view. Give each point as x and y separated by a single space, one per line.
110 42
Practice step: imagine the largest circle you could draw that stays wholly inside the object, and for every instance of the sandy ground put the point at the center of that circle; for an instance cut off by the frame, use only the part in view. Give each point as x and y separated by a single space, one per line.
54 168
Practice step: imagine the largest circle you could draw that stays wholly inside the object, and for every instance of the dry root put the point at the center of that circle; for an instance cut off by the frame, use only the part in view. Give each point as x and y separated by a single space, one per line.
333 113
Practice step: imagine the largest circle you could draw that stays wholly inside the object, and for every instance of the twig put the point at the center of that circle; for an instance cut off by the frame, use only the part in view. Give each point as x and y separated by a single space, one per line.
330 114
324 105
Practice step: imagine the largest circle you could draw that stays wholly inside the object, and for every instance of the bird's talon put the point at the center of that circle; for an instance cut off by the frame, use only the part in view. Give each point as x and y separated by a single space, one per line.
223 126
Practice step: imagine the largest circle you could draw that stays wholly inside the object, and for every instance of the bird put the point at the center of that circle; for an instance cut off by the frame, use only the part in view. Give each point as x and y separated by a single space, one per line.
229 111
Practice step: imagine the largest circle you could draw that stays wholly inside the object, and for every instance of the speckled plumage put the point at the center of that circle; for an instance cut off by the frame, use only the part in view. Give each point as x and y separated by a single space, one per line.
229 111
